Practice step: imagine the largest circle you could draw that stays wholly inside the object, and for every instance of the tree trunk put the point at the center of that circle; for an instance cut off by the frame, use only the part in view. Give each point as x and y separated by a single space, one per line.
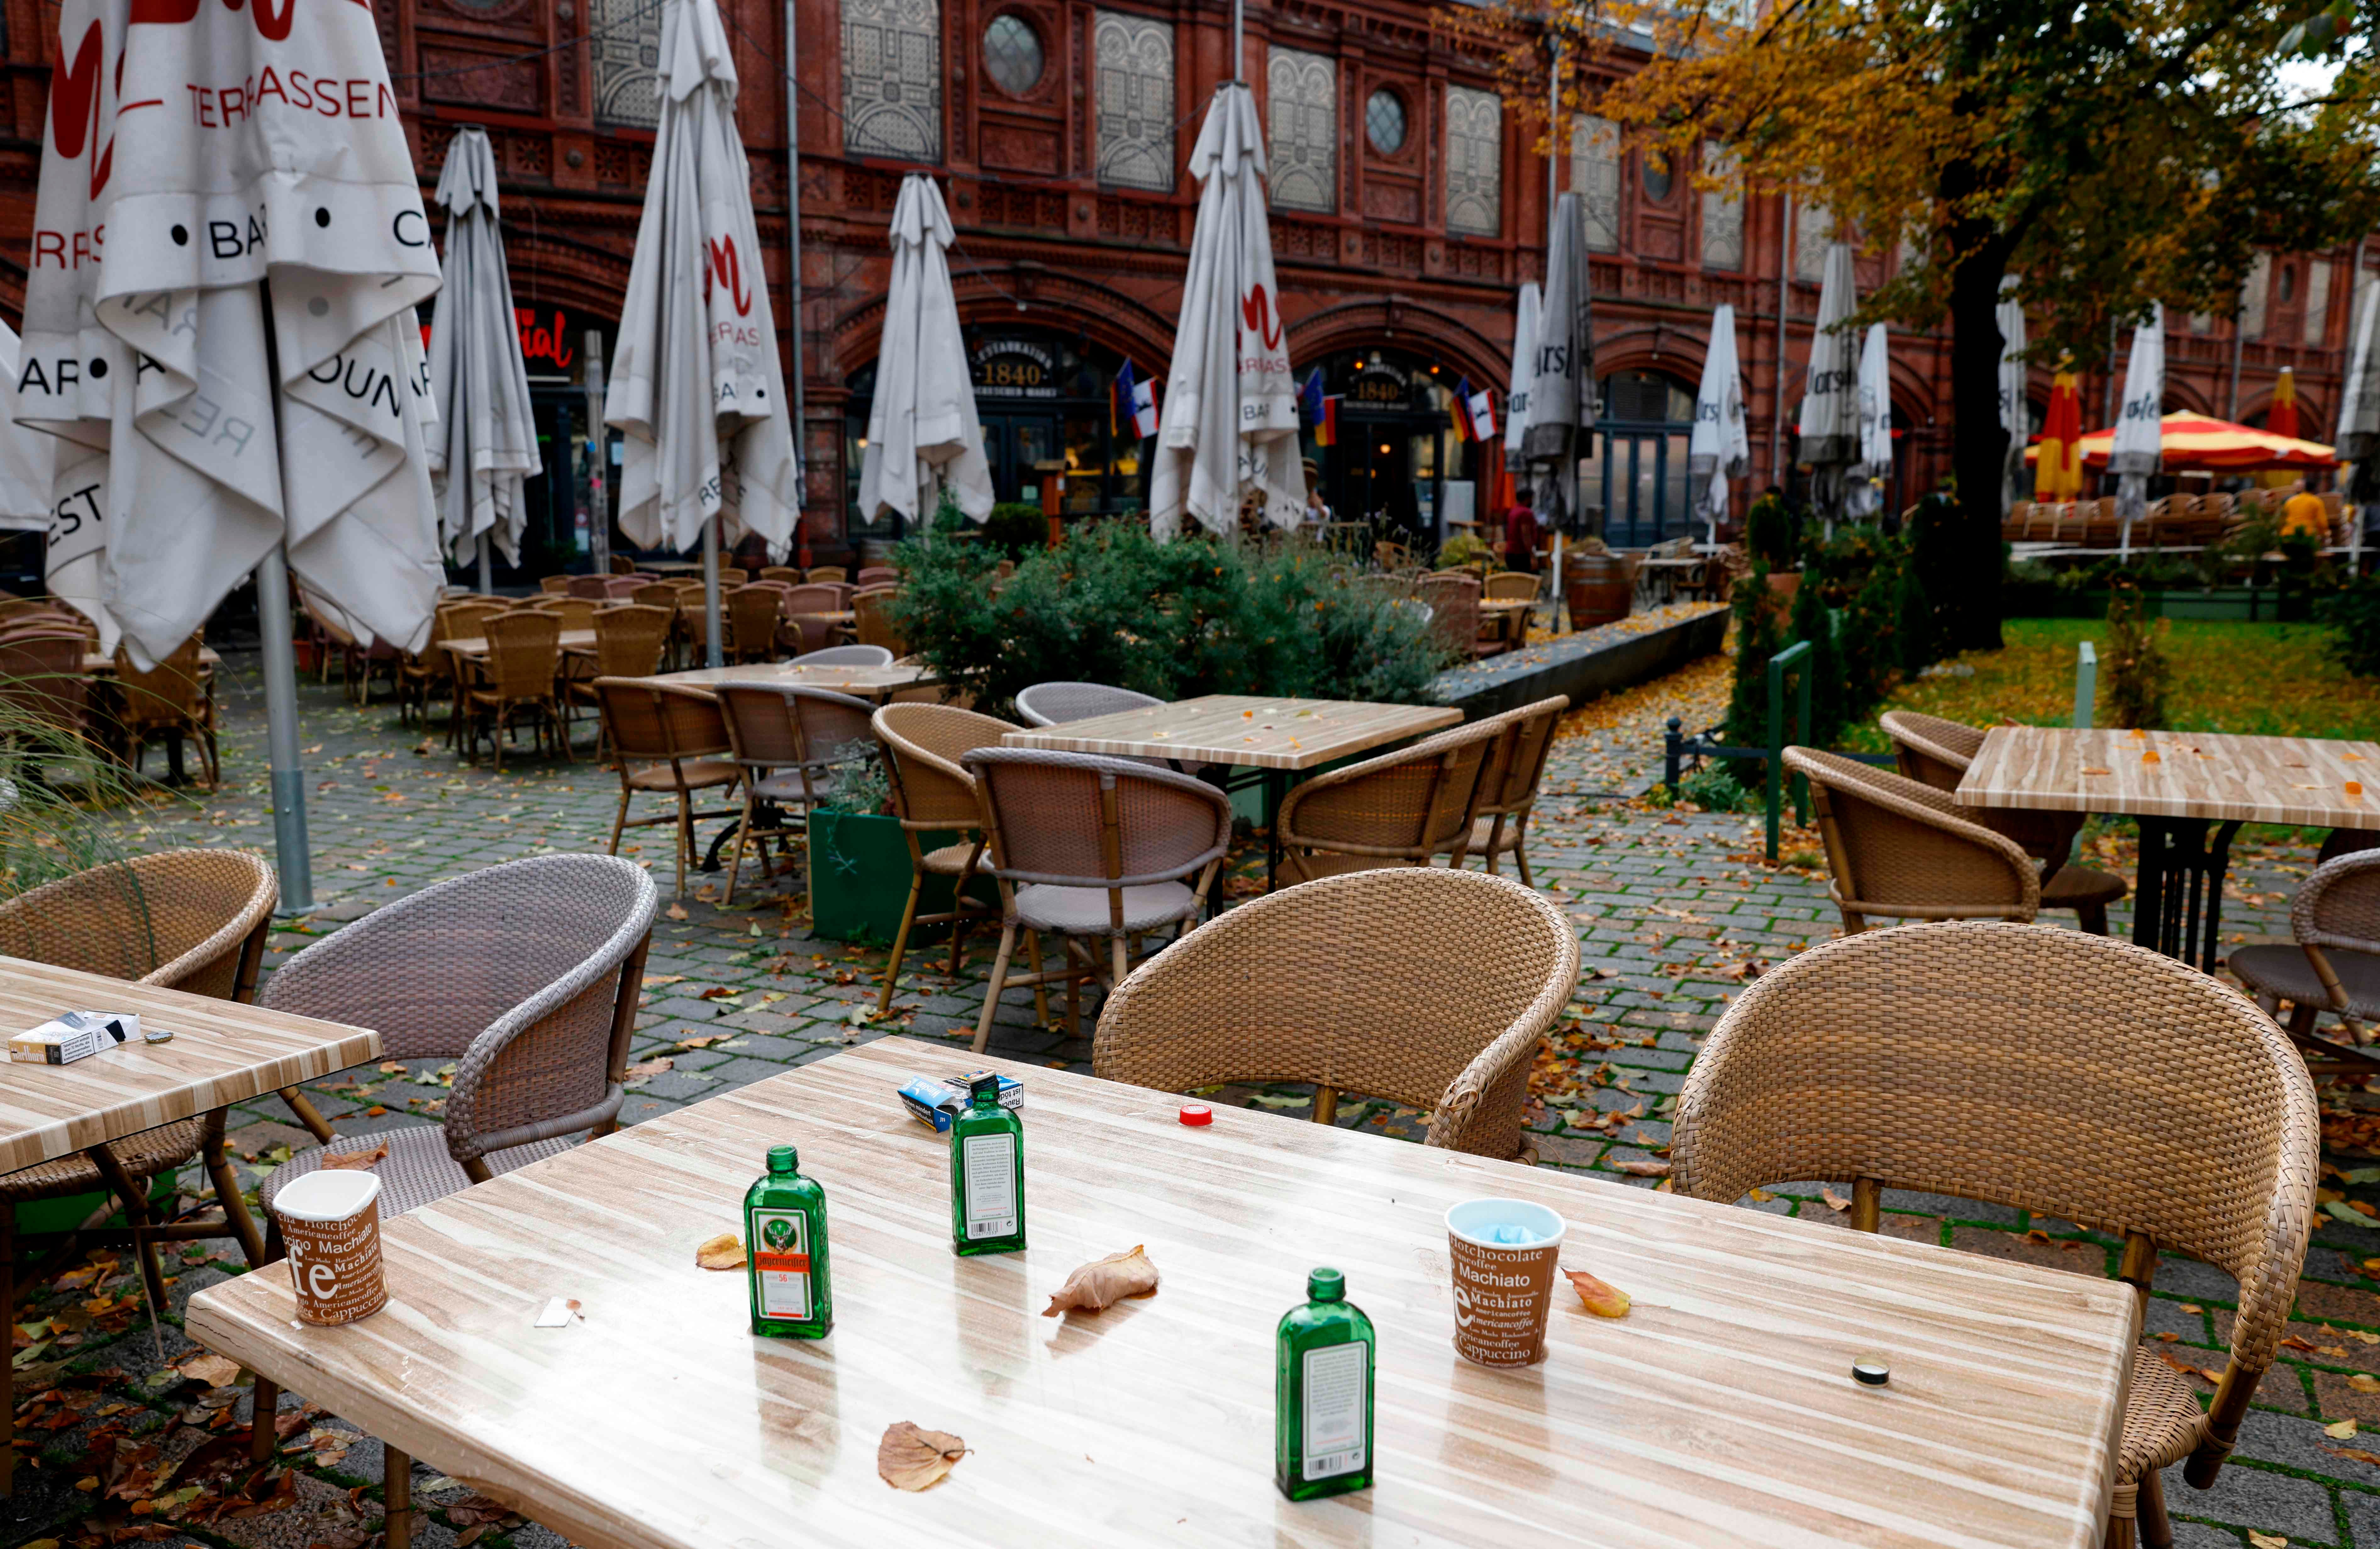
1970 615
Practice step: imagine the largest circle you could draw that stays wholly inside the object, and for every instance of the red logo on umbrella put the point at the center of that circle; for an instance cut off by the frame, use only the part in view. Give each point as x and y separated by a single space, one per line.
724 270
74 105
1256 313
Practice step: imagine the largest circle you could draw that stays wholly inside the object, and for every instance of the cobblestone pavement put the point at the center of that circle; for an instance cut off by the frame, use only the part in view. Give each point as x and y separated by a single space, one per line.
1674 907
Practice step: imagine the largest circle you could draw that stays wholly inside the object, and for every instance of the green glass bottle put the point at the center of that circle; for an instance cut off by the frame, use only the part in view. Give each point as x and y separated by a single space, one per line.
1322 1394
785 1246
986 1174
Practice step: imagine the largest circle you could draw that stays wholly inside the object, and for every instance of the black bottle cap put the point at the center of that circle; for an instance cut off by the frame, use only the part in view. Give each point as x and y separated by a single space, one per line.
985 1086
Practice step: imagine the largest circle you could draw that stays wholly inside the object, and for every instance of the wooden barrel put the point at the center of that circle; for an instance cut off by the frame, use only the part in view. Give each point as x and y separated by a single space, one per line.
1597 587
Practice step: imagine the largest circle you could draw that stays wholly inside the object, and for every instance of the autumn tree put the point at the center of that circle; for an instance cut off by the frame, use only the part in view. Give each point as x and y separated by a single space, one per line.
2108 154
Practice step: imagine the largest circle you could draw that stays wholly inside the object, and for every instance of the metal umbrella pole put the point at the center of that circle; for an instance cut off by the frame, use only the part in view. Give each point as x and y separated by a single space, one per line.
711 593
487 569
599 450
293 856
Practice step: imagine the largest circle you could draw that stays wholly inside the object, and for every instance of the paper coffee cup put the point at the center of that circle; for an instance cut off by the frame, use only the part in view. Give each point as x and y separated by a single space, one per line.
331 1221
1503 1290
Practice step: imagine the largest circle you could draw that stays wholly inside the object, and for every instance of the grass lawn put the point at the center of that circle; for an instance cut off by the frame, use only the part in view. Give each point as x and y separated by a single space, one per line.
2263 679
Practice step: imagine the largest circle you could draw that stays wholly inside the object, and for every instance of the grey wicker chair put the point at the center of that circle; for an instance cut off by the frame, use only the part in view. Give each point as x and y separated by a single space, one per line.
932 795
1048 704
1086 847
845 656
1430 987
2335 966
789 743
2048 1070
525 974
1903 850
1937 752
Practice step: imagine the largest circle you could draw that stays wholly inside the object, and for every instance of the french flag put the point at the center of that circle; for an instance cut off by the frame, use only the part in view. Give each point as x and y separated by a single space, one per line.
1136 401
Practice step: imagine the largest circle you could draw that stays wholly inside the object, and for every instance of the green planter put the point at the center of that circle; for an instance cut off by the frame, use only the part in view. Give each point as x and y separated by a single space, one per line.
859 879
64 1215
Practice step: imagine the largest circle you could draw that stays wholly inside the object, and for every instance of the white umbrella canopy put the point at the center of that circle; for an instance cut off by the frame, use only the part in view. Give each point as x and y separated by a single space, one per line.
1230 424
158 350
1562 406
486 441
1720 448
923 437
2016 412
2359 411
1524 365
1874 464
2138 449
27 462
697 386
1829 418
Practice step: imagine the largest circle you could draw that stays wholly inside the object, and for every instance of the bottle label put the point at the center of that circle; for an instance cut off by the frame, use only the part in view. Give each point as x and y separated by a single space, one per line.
1335 1376
781 1257
989 1163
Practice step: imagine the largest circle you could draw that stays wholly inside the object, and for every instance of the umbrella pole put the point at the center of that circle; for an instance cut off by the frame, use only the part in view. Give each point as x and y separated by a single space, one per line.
290 850
487 570
711 593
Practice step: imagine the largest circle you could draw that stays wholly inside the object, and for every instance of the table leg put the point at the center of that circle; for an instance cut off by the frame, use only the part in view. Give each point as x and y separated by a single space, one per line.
2178 901
1276 789
396 1484
174 775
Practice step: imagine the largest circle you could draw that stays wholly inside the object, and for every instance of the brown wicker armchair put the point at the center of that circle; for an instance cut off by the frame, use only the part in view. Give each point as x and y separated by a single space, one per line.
1954 1058
1938 752
1430 988
1397 810
932 794
802 635
1903 850
877 574
827 573
1453 599
669 740
1084 846
170 699
871 624
753 612
1508 787
789 743
41 675
523 653
628 643
2335 966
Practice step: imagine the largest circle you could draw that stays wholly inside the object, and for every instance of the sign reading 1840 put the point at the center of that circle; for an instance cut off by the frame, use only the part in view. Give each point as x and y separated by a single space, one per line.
1015 369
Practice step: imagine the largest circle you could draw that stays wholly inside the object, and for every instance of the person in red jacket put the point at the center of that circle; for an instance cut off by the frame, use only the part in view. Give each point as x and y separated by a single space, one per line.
1520 539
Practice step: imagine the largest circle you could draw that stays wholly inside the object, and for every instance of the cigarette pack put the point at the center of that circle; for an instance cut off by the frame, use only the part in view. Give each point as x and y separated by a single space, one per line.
73 1035
934 1103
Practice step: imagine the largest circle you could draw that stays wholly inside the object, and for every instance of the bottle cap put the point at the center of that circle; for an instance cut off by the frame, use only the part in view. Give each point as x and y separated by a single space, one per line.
782 1159
985 1085
1326 1285
1196 1113
1871 1372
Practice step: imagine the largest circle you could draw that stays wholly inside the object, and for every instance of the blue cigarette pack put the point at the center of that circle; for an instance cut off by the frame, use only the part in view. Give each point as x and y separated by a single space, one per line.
934 1103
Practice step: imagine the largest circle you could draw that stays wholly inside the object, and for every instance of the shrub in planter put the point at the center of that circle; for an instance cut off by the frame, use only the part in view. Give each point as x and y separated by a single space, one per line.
1016 529
860 868
1769 535
2353 615
2138 671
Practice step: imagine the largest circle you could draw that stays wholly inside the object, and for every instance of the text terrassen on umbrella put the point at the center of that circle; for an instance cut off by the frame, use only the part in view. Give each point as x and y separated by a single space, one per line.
222 106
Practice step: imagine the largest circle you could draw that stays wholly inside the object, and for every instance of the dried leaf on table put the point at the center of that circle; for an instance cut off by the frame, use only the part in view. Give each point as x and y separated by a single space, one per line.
911 1458
1104 1281
355 1160
724 1251
209 1368
1602 1300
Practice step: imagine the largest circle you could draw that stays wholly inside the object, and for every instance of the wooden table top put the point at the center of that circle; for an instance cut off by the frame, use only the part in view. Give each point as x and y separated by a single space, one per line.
1242 729
1506 604
221 1052
2217 776
476 646
95 663
1720 1410
832 616
859 682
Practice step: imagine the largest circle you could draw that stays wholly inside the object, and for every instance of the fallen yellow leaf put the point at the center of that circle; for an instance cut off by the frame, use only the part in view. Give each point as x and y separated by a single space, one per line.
2363 1381
2267 1541
213 1370
1834 1200
912 1459
2340 1431
724 1251
1603 1301
357 1161
1104 1281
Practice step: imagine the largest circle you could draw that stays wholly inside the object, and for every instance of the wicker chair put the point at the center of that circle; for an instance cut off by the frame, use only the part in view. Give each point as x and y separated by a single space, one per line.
1954 1058
827 573
465 618
41 677
1453 601
805 635
1084 846
171 699
789 743
679 735
574 613
932 794
1938 752
1398 810
845 656
786 573
427 674
1047 704
1508 787
871 625
628 643
1429 988
752 618
877 574
1903 850
595 589
524 652
2335 966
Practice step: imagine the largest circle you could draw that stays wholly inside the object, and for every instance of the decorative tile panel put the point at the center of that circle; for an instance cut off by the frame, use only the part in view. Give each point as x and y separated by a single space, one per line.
1814 229
1475 162
1302 129
2317 304
627 46
1135 111
1594 173
892 80
2253 295
1722 210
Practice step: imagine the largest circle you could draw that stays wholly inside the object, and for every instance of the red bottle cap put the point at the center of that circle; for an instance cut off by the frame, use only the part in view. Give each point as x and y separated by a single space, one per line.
1196 1113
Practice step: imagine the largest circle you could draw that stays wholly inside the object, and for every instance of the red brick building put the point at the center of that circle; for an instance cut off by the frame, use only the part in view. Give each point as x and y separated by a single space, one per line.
1408 202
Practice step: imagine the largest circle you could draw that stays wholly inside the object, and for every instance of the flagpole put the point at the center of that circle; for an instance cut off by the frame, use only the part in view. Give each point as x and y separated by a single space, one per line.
1239 44
293 856
793 278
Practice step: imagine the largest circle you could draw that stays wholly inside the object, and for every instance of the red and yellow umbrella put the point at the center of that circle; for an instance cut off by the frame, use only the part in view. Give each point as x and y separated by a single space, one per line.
2058 470
2197 442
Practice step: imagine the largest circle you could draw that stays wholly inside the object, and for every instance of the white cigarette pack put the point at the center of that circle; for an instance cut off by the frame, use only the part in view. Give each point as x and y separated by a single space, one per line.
73 1035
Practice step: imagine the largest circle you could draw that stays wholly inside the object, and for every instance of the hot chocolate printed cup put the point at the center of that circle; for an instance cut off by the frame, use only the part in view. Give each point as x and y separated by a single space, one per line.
331 1221
1503 1289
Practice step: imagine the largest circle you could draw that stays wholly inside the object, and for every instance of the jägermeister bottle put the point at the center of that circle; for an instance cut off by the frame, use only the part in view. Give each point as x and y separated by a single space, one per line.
986 1174
784 1237
1322 1394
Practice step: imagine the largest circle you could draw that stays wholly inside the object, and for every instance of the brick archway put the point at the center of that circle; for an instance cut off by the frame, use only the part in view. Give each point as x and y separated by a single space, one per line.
1416 329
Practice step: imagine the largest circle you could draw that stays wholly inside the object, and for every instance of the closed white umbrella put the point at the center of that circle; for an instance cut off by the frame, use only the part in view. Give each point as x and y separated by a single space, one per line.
1829 419
2016 411
225 185
695 385
2359 413
1524 365
1874 464
1720 448
486 442
26 460
923 437
1230 424
1563 407
2138 450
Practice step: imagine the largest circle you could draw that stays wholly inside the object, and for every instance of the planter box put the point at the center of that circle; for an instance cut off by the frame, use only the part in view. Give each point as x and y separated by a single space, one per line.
2261 605
859 880
64 1215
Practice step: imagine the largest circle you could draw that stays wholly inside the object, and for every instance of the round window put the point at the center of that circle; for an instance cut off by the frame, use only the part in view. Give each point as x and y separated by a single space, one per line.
1658 180
1012 54
1384 122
